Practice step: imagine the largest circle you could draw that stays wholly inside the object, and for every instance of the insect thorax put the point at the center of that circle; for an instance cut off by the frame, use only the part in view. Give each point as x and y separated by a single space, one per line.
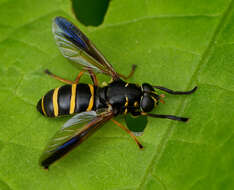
123 97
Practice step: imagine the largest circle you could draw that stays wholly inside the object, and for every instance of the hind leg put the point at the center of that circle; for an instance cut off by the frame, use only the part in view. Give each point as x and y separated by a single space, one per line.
130 74
76 81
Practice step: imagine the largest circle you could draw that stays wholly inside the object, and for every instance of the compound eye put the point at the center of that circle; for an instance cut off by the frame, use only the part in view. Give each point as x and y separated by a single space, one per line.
147 103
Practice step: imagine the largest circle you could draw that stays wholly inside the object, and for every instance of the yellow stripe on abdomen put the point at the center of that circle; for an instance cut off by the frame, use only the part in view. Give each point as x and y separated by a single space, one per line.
73 99
91 100
42 106
55 101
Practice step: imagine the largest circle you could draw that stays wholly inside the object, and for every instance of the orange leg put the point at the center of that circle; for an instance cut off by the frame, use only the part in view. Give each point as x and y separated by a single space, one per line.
93 77
129 132
58 78
78 77
130 74
76 81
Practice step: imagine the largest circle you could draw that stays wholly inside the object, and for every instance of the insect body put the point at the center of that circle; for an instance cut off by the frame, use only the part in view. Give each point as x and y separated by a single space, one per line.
67 100
76 98
91 104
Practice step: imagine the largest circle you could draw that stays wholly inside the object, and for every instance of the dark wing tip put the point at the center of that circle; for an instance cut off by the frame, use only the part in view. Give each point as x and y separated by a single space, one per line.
70 32
61 22
44 164
58 19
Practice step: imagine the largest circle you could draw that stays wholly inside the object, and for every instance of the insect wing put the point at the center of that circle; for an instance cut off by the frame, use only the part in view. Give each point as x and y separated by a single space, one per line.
73 132
76 47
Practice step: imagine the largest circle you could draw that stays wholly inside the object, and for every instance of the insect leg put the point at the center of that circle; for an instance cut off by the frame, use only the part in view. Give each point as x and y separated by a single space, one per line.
93 77
175 92
129 132
130 74
76 81
58 78
78 77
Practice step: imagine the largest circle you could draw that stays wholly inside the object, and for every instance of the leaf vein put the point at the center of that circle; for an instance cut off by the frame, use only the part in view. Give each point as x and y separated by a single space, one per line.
158 17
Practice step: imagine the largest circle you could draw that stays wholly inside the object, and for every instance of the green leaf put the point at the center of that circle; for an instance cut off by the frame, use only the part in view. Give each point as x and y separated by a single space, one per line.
176 44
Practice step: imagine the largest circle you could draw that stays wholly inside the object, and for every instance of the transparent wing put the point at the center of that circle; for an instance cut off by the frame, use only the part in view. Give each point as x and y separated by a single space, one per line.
73 132
76 47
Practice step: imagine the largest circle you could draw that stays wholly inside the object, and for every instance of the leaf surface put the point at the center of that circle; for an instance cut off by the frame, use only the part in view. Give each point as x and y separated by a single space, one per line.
175 44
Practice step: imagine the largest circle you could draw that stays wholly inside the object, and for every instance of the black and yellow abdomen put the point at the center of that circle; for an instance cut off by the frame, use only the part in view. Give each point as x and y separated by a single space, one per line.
67 100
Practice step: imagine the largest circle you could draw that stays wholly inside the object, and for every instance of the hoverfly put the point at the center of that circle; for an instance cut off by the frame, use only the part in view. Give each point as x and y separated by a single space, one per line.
92 104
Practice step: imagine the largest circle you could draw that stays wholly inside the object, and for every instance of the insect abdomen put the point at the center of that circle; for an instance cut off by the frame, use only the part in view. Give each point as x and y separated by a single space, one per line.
67 100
